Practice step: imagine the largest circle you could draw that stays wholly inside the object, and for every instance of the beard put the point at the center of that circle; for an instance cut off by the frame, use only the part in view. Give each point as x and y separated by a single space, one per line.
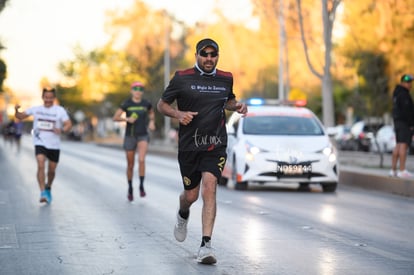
207 66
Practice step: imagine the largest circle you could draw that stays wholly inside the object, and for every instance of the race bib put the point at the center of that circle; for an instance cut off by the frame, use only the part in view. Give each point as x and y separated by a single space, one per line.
45 125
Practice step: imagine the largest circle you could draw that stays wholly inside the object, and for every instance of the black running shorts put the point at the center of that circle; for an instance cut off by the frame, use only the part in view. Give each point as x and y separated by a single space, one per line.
193 163
403 133
51 154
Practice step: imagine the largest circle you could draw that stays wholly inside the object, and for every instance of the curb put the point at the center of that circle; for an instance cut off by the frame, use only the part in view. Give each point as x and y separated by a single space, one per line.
393 185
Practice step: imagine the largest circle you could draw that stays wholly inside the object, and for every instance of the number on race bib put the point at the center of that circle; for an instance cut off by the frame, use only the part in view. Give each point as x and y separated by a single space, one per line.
45 125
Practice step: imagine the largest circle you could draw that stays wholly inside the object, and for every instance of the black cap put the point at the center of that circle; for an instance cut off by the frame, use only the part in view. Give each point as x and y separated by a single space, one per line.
206 42
407 78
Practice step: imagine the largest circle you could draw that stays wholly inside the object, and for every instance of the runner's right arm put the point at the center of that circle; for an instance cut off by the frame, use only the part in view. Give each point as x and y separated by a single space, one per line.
18 114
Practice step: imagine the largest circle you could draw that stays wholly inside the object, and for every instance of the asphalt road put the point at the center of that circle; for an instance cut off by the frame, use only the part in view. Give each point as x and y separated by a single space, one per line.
90 227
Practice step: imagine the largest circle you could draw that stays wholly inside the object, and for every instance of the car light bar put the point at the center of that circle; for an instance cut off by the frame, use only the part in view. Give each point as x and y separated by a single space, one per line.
257 101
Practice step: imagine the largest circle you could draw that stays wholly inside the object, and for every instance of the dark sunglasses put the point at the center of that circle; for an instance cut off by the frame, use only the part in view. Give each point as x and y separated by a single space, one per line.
138 88
205 54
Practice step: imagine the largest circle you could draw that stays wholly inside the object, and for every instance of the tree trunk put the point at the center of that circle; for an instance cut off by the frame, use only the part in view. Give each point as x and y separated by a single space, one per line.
327 101
328 18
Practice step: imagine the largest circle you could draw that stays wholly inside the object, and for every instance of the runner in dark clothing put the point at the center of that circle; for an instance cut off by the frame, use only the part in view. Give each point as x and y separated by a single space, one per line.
194 91
403 116
202 93
139 115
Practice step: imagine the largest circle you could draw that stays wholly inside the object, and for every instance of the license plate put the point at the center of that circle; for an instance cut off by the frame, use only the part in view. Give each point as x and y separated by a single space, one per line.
293 169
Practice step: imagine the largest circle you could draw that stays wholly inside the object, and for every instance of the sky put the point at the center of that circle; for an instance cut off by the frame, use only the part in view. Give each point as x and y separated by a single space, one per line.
38 34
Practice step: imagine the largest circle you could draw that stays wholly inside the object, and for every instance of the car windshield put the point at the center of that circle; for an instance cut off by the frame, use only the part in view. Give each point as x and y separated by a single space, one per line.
281 125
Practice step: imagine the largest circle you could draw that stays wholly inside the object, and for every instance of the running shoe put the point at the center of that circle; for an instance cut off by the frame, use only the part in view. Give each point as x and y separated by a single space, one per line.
180 229
43 196
142 193
130 194
404 174
392 173
48 194
206 254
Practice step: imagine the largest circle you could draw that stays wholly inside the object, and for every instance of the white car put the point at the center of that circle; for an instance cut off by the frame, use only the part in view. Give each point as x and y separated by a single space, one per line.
384 140
279 144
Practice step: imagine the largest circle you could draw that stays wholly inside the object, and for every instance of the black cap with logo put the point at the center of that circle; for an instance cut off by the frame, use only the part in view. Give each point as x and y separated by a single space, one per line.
207 42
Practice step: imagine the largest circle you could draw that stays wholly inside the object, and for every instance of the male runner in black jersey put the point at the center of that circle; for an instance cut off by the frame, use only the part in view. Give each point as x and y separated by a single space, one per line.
201 93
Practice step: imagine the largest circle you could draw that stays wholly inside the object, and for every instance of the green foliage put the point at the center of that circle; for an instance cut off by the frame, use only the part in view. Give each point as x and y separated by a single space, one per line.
342 100
71 99
371 68
382 27
3 4
3 71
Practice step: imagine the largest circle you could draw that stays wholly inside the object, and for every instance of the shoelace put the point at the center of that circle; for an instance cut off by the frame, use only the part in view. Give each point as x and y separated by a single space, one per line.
181 222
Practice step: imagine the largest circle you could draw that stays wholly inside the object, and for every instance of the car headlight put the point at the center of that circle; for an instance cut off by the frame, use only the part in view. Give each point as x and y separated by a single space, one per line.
251 151
327 151
330 153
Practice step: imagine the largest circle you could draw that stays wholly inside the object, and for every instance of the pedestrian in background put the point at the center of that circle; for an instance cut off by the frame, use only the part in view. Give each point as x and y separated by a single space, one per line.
139 117
9 132
18 125
50 122
403 116
201 93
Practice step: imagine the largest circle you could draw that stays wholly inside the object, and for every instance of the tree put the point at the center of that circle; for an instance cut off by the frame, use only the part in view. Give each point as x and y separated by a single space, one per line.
3 4
91 76
382 27
371 69
374 87
295 57
100 79
3 67
328 18
3 71
144 47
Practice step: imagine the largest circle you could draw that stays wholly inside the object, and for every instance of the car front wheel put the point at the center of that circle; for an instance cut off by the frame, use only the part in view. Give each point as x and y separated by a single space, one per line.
329 187
223 181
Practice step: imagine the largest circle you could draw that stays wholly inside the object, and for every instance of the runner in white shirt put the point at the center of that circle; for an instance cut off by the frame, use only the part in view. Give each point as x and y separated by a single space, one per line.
50 121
